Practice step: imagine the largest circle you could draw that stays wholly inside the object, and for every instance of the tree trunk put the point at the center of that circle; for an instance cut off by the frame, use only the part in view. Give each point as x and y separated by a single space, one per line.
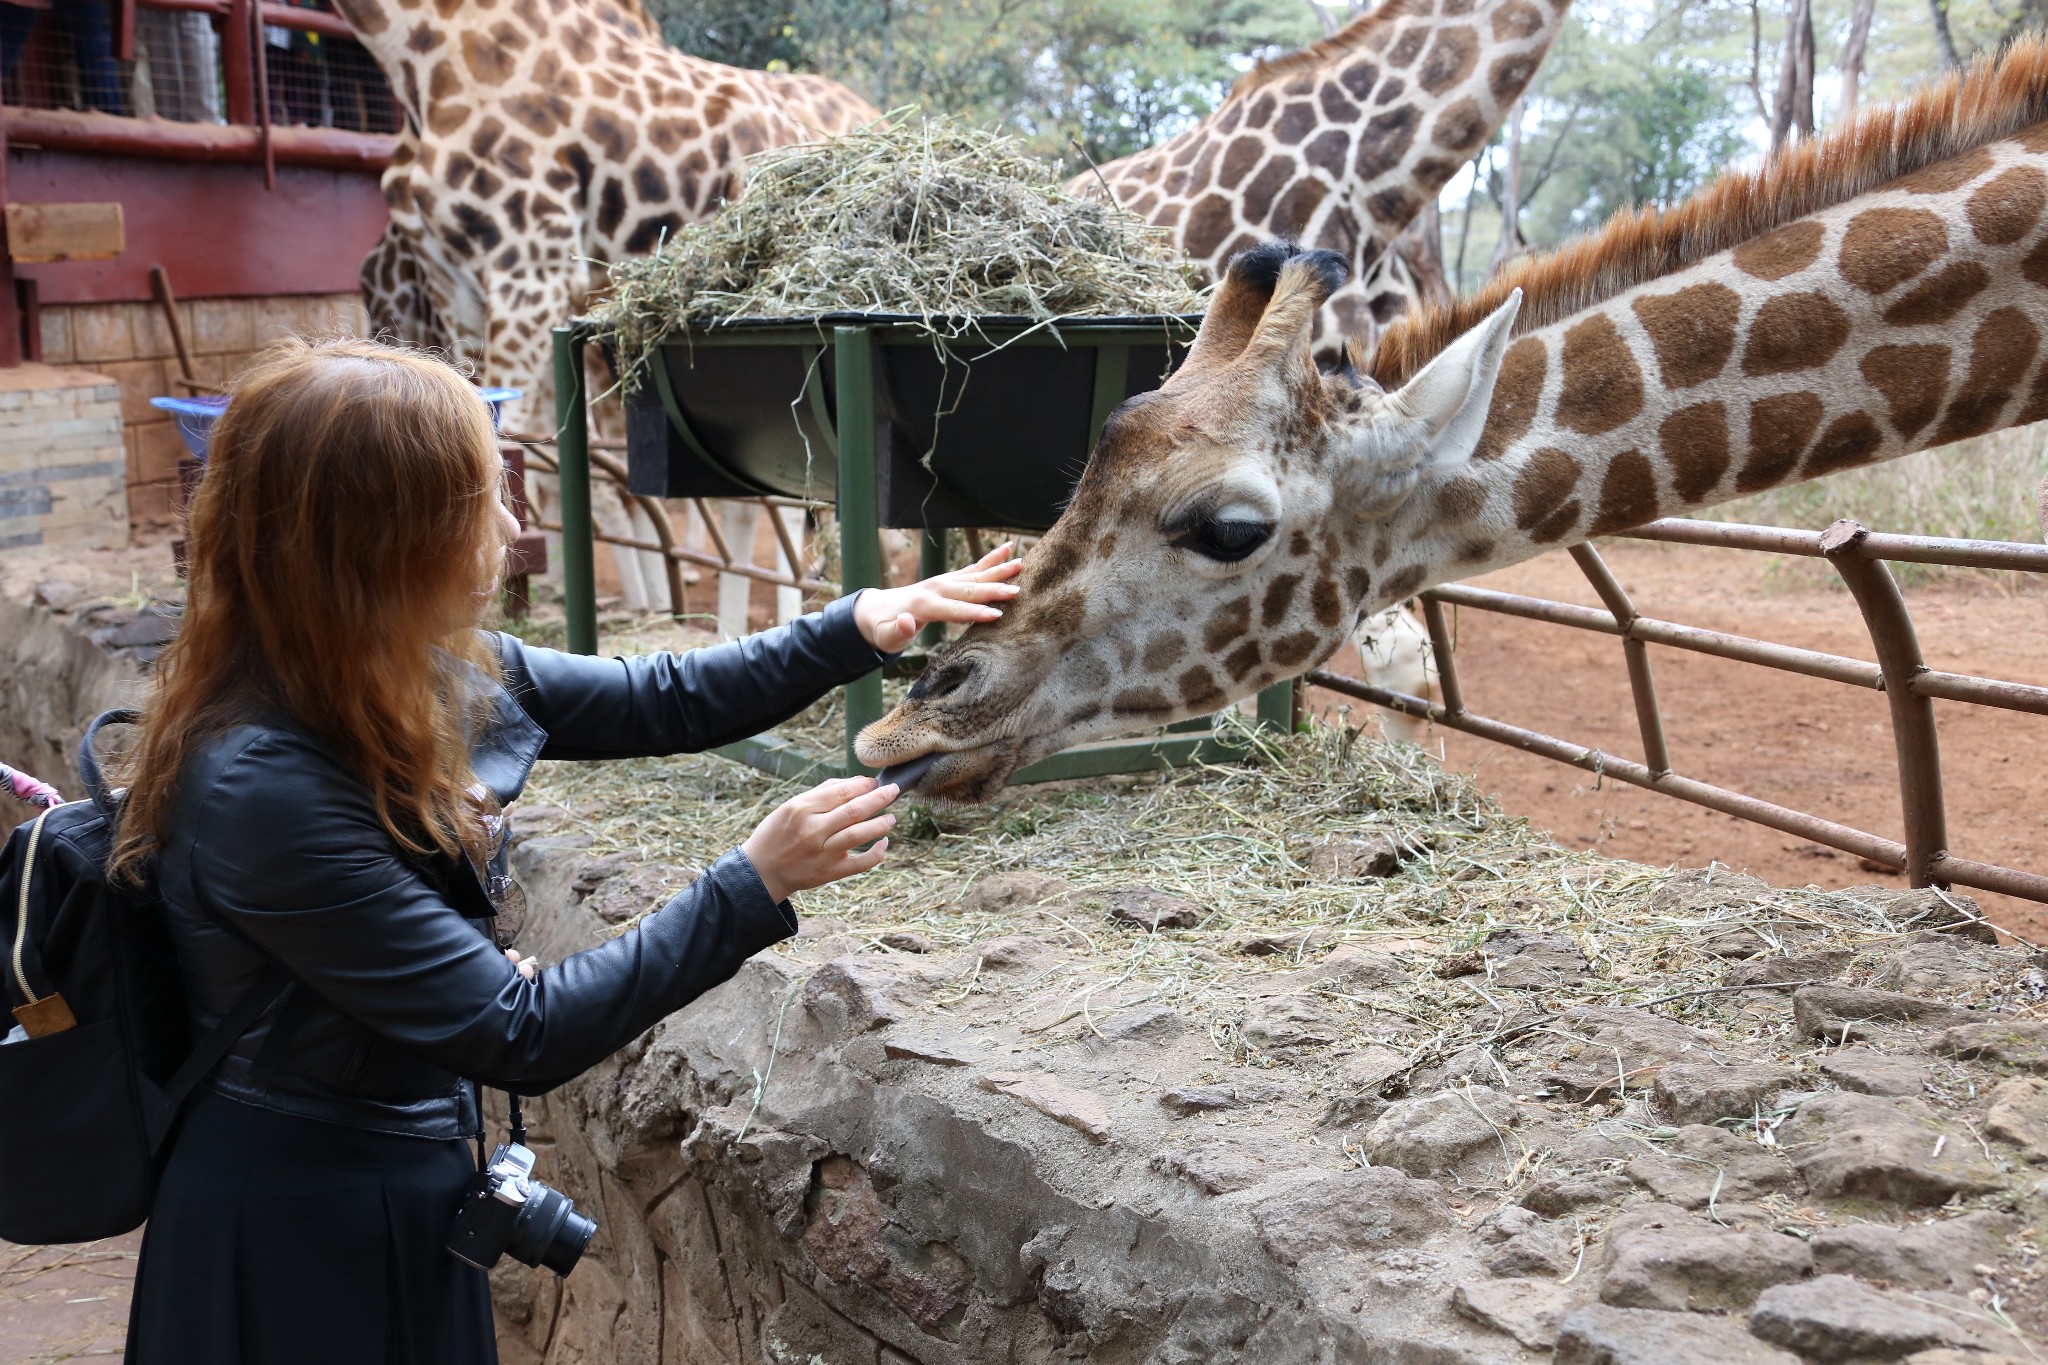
1421 249
1330 23
1944 40
1852 55
1792 111
1465 221
1510 194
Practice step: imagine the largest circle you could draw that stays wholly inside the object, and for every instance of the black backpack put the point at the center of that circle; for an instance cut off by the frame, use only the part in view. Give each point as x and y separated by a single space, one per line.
101 1053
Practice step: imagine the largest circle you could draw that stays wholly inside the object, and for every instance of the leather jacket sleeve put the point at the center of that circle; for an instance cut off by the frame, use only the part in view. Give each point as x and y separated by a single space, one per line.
290 853
659 704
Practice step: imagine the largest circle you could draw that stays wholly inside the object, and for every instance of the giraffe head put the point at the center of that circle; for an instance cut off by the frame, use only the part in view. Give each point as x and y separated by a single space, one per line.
1222 538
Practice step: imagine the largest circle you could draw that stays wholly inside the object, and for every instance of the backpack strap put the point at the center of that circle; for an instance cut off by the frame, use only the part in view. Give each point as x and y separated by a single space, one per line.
222 1036
89 763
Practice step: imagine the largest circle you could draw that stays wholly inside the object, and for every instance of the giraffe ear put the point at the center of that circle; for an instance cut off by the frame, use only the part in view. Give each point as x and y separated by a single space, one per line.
1451 395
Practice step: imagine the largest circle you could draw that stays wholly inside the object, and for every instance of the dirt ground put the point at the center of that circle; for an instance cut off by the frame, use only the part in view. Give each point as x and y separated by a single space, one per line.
65 1303
1812 745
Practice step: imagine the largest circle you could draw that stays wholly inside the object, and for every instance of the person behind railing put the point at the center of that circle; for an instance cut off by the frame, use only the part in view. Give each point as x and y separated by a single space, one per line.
181 57
90 26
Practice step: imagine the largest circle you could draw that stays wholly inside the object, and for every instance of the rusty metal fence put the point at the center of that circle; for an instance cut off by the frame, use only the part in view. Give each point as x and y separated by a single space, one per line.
1859 556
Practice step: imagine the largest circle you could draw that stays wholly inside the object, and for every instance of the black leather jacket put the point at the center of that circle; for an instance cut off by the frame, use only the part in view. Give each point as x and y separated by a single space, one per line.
399 995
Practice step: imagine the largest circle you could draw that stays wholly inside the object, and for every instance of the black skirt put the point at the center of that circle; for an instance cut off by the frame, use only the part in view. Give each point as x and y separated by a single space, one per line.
278 1240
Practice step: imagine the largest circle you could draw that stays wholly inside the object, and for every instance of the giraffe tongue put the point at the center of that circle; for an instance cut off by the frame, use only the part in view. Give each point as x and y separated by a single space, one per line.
906 775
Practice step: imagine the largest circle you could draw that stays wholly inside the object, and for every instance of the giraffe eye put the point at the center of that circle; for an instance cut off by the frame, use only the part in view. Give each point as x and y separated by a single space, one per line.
1227 539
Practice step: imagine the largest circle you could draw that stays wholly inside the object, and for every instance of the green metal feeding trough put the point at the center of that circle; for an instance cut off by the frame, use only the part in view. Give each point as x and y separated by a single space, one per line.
990 428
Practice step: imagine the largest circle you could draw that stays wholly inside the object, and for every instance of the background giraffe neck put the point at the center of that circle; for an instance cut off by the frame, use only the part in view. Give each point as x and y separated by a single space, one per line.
1898 319
1341 144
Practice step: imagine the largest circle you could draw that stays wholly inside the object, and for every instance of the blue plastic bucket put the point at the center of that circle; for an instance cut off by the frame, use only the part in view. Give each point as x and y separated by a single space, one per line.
196 416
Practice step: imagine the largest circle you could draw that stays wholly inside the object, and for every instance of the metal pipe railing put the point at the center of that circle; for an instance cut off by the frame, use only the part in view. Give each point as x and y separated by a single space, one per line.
1901 673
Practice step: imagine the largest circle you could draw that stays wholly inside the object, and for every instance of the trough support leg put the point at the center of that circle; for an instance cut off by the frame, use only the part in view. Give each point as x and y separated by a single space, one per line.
860 551
572 449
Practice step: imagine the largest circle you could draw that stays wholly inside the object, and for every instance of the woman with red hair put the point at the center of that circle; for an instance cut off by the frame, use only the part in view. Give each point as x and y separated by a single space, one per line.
319 786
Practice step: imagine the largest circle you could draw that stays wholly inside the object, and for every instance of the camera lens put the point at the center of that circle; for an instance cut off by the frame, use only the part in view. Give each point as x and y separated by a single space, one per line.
549 1231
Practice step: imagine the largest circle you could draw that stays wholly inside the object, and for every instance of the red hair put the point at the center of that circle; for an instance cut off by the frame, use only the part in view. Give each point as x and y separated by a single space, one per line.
345 527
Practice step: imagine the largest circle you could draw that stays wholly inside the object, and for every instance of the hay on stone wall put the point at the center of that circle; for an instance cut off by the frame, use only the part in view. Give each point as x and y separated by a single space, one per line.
927 218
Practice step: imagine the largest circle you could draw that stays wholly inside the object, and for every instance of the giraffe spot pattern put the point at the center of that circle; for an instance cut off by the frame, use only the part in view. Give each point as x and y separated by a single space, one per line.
1266 186
2001 353
1357 582
1603 387
1459 500
1208 223
1404 583
1279 597
1226 623
1358 78
1850 440
1298 205
1794 332
1784 252
1509 76
1407 47
1336 108
1516 20
1164 650
1883 248
1516 395
1940 297
1779 429
1543 485
1140 701
1628 494
1238 159
1391 89
1297 121
1912 381
1691 331
1293 650
1944 176
1695 444
2006 208
1329 152
1394 205
1460 127
2037 400
1325 603
1385 141
1475 551
1242 660
1451 59
1198 687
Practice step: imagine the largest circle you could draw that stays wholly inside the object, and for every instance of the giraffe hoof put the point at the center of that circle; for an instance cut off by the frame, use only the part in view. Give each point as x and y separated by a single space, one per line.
906 775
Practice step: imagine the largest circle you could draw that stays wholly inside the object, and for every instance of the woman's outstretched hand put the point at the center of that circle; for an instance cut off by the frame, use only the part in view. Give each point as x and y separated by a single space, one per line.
889 618
810 839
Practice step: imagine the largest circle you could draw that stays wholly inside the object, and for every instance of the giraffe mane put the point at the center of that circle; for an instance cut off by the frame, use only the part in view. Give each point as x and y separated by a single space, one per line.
1339 44
1992 100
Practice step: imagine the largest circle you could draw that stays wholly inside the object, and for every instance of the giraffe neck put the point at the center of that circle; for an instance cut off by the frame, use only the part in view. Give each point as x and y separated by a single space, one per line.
1895 320
1341 144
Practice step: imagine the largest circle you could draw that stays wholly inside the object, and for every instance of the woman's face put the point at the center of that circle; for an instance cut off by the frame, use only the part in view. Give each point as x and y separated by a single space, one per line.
492 577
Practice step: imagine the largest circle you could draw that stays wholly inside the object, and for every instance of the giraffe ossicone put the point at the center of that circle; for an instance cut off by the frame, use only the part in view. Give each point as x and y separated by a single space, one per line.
1214 544
1875 292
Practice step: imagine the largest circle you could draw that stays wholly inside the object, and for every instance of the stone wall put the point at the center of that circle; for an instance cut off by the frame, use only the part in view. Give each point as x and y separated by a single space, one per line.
130 343
60 459
840 1158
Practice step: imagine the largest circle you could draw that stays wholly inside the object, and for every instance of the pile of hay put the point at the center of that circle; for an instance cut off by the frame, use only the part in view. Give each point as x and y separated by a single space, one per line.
927 218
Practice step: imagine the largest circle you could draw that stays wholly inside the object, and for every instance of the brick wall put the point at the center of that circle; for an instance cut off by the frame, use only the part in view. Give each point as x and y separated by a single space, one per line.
130 343
62 467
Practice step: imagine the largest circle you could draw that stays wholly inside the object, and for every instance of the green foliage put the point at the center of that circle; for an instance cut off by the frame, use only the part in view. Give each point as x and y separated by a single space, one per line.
1116 76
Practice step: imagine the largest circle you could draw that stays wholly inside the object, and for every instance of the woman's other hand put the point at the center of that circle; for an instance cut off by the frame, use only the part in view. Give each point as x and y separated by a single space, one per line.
889 618
810 839
527 966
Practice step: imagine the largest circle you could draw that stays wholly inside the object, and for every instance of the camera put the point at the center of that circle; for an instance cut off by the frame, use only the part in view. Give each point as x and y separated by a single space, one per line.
509 1213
